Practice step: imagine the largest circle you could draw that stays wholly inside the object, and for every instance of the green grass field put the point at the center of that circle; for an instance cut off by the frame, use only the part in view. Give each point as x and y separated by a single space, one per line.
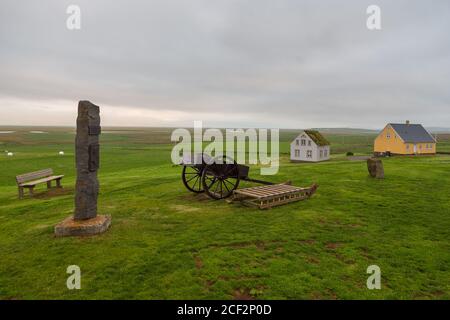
166 243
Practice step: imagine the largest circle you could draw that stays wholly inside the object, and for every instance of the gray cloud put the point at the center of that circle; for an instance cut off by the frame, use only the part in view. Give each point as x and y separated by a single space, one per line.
281 63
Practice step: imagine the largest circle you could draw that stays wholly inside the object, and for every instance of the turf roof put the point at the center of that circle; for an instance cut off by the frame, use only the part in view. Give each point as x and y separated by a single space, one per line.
317 137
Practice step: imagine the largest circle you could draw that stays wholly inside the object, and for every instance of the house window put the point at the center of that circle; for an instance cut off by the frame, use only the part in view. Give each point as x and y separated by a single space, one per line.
303 142
407 147
309 143
297 153
297 142
388 135
325 153
321 153
309 154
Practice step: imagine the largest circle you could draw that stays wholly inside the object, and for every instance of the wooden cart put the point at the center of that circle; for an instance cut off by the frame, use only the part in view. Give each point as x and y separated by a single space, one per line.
220 180
218 177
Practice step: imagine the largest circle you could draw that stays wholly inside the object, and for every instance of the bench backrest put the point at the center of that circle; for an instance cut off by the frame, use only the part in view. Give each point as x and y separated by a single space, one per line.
34 175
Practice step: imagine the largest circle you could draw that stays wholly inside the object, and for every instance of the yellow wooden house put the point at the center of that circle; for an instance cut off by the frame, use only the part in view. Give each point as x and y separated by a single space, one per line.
404 139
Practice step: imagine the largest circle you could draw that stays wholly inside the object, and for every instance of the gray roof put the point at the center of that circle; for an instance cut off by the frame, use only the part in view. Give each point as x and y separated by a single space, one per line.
412 133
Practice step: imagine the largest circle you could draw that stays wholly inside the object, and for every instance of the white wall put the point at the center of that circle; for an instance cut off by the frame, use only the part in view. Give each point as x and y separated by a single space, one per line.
325 153
309 145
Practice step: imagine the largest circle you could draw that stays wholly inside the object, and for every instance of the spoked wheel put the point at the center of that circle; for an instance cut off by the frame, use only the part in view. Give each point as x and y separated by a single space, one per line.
219 180
192 179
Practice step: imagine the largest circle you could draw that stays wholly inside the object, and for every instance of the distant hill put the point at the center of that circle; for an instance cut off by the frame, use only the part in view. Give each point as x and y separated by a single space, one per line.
372 131
438 130
347 130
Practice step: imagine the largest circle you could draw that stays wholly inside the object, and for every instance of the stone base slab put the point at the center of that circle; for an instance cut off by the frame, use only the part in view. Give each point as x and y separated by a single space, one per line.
70 227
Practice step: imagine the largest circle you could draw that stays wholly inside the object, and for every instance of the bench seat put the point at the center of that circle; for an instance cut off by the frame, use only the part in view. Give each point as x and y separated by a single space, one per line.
30 180
35 182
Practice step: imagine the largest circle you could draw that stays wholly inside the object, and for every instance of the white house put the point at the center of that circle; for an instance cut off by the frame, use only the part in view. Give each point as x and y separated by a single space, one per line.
310 146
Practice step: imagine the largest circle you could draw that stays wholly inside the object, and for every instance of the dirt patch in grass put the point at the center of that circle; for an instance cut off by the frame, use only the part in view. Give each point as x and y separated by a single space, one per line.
347 225
438 293
279 250
344 259
333 245
243 294
365 253
316 296
307 242
198 262
312 260
328 295
210 283
54 192
183 208
240 277
331 295
259 244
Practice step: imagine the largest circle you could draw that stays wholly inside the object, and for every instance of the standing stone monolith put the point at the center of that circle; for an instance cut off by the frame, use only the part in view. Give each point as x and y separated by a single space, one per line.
375 167
87 157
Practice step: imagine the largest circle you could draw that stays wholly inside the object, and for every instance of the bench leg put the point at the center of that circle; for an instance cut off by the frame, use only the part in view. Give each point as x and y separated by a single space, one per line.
58 183
31 191
49 184
20 192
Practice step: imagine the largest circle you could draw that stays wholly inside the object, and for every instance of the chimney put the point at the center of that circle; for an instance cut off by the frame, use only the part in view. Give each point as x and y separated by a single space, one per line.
407 122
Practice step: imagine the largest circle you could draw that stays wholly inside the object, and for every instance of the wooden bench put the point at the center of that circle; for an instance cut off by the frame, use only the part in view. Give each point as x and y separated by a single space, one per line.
30 180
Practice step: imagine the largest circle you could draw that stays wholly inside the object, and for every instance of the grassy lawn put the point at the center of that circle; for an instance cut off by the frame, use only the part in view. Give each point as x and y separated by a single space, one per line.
167 243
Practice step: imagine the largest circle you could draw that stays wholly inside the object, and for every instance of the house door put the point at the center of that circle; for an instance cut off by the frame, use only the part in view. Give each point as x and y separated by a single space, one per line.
415 148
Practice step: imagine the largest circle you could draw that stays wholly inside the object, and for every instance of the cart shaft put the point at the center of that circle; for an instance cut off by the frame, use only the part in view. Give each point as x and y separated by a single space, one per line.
258 181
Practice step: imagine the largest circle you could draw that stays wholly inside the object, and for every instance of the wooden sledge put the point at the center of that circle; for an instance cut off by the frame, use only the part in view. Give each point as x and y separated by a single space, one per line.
270 196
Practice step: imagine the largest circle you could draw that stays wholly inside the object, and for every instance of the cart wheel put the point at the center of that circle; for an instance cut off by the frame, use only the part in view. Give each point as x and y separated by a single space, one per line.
191 177
219 180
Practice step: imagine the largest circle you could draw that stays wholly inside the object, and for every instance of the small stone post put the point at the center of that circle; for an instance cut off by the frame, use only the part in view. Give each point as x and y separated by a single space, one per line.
375 167
87 157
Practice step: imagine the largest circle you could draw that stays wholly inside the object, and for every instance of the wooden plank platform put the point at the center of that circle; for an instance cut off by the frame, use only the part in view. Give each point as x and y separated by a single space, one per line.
272 195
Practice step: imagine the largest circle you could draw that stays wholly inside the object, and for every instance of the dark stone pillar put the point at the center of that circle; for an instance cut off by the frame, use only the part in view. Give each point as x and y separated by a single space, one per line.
87 157
85 221
375 167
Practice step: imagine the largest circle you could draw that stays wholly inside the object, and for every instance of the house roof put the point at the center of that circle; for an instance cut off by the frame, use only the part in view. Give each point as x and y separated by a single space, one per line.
412 133
317 137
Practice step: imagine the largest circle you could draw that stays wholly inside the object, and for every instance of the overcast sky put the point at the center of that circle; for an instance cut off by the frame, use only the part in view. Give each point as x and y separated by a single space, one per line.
229 63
